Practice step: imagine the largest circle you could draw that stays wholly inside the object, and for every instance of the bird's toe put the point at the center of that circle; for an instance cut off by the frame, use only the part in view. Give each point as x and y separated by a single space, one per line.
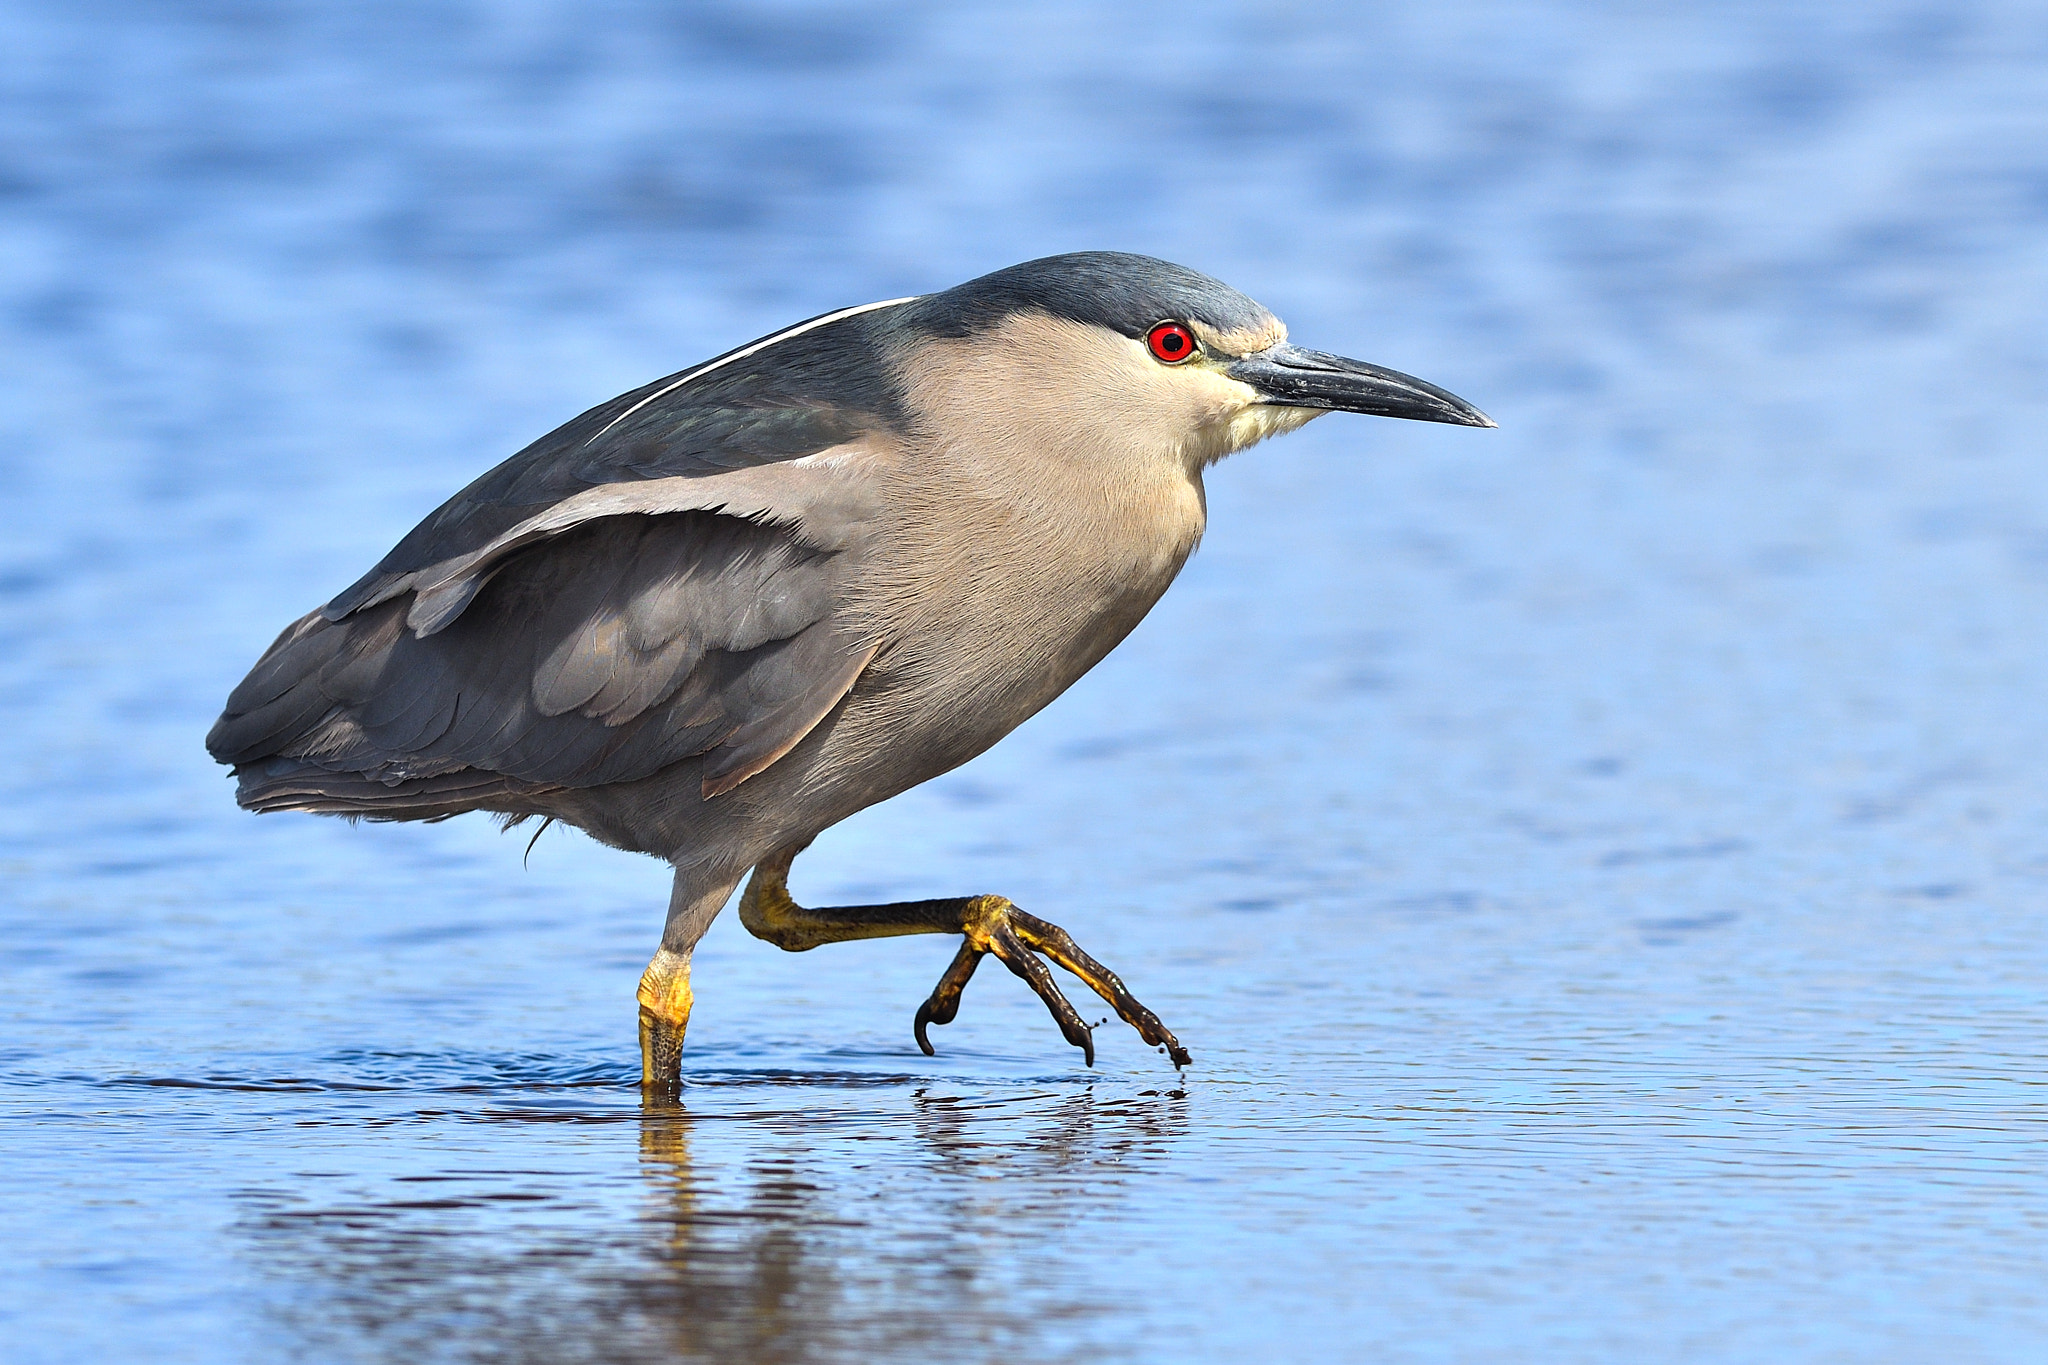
992 925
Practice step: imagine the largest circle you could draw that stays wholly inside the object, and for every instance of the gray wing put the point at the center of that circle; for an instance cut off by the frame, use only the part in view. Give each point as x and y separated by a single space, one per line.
655 580
600 652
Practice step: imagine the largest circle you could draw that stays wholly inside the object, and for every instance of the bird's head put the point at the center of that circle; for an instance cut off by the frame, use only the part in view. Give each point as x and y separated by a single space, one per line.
1135 353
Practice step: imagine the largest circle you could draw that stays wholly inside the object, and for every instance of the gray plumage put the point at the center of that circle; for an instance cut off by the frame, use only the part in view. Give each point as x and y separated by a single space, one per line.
714 615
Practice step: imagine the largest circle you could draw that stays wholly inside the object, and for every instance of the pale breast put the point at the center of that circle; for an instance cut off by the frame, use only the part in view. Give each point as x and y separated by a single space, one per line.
992 605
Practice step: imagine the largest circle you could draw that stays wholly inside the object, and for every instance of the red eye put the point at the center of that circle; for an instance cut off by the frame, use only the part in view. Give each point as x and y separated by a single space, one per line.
1171 342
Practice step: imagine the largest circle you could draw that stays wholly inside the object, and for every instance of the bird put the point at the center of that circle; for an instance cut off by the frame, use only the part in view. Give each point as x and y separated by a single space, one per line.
720 613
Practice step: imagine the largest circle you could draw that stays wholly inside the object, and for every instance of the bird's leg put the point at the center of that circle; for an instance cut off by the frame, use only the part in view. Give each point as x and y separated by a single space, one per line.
665 986
665 1001
990 924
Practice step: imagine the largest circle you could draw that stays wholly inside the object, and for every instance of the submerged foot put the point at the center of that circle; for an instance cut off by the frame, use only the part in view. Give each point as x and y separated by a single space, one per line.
992 924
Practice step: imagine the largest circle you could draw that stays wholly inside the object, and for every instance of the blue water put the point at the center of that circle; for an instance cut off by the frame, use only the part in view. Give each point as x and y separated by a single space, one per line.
1597 865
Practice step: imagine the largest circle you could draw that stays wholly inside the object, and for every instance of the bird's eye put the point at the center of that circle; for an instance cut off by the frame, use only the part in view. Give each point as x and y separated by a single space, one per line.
1171 342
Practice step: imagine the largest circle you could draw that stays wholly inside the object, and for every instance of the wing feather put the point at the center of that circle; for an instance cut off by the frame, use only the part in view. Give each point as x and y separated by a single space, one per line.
601 654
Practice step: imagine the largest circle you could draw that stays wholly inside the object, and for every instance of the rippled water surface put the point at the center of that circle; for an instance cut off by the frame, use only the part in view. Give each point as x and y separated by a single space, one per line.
1598 865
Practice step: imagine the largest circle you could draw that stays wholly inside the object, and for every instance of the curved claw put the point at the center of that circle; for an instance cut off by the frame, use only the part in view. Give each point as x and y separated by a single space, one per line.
944 1003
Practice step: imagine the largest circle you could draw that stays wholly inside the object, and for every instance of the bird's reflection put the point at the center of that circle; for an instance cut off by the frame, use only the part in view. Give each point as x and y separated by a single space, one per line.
764 1236
729 1283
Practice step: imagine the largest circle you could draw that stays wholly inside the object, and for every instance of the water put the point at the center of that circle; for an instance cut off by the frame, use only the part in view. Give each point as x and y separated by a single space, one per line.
1596 864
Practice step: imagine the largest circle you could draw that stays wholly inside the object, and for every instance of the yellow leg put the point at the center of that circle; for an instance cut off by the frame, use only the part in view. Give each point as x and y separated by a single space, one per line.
989 925
664 1016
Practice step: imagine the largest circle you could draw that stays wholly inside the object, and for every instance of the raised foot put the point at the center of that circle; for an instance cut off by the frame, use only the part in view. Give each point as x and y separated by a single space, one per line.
993 925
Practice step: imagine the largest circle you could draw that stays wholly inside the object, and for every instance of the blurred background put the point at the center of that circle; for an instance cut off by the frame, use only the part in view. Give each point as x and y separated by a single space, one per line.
1595 864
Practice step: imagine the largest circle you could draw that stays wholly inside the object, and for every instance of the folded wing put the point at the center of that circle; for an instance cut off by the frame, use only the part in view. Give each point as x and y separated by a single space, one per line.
598 650
660 579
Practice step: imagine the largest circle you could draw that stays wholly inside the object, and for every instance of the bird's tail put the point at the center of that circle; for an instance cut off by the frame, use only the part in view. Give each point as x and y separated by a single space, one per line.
297 784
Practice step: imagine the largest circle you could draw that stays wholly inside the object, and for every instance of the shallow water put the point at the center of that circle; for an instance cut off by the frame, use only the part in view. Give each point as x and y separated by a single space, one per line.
1595 864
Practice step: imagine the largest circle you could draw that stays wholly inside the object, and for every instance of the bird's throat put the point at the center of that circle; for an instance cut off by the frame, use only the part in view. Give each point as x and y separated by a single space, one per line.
1249 426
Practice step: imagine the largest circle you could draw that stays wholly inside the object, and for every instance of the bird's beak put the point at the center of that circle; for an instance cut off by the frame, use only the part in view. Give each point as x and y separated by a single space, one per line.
1288 376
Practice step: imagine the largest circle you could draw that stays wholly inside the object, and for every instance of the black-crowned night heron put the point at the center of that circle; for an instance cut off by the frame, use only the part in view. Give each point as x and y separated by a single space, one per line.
716 615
